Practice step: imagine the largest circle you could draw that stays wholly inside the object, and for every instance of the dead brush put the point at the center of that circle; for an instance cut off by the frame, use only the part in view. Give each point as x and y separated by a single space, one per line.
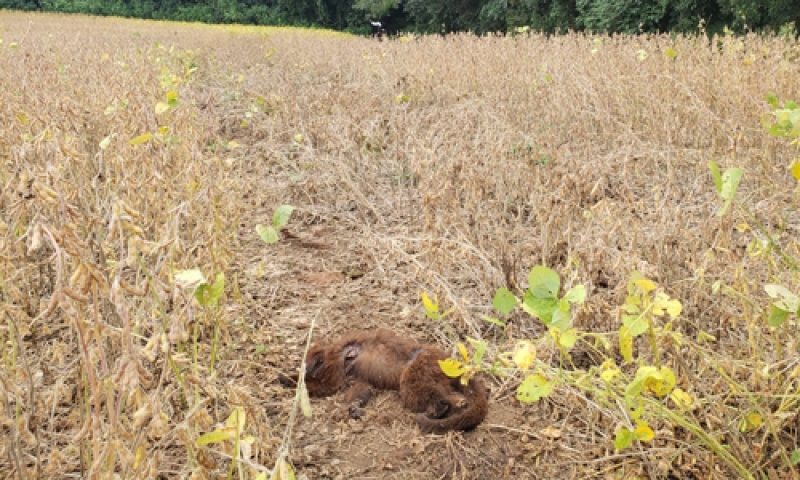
428 163
105 196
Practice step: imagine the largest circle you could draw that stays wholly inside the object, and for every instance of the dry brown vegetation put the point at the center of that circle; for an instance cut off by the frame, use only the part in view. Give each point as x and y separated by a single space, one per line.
450 165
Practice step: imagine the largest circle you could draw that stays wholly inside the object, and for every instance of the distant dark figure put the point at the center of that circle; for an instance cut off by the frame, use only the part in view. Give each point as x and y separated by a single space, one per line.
378 31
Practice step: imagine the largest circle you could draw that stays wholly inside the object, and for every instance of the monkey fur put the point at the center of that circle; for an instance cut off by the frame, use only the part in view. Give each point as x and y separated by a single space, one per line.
361 361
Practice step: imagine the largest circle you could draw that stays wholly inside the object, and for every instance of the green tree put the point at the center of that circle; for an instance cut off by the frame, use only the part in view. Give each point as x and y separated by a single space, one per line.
375 8
549 16
445 15
760 14
624 16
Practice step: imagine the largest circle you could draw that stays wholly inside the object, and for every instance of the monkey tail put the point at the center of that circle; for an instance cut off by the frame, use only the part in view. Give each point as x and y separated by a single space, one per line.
467 419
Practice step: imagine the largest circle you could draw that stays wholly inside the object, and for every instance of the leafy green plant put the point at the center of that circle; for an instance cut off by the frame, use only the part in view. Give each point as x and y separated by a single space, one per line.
208 296
643 395
642 305
784 121
451 367
541 300
726 184
786 303
269 233
469 367
231 437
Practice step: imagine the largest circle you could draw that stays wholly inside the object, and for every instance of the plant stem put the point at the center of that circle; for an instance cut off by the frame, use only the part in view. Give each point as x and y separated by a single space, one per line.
786 257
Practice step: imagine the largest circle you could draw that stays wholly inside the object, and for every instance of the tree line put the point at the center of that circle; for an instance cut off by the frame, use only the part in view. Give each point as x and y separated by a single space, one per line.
444 16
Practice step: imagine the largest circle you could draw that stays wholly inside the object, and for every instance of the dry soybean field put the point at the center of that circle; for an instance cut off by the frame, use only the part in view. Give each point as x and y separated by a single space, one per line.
549 203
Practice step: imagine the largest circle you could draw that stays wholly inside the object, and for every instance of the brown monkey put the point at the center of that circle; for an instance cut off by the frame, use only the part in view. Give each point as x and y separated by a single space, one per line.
382 359
441 403
358 361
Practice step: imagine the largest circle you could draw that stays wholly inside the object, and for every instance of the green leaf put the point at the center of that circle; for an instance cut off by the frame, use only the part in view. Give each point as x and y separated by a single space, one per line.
541 308
635 277
480 350
210 294
772 99
637 324
576 294
671 52
777 316
661 383
786 299
568 338
281 216
637 385
631 306
730 182
172 98
625 343
218 287
504 301
217 436
144 138
777 131
189 279
563 305
543 282
635 406
624 439
267 233
237 419
751 421
795 457
715 173
534 388
561 320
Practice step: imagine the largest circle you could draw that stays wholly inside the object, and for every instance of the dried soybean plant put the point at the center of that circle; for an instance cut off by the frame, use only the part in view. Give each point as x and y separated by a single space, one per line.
108 189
